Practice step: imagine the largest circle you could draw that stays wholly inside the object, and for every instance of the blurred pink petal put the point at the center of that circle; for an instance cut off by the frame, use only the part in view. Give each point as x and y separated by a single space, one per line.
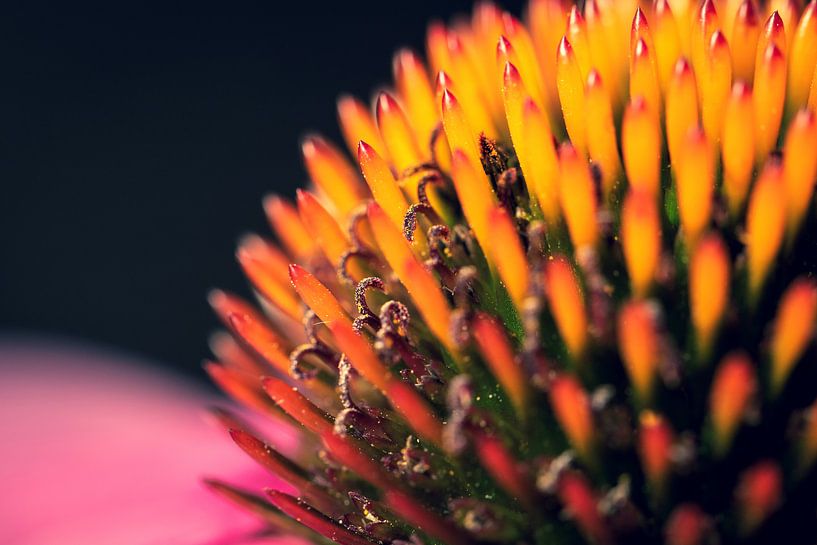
98 448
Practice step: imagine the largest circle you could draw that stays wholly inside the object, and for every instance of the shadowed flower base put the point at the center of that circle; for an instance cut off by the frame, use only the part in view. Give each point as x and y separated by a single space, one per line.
566 294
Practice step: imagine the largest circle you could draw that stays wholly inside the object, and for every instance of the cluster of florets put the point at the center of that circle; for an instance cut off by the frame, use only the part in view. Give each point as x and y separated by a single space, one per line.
573 299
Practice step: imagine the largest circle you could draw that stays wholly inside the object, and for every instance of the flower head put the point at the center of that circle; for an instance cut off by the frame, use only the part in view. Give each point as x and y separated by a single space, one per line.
567 296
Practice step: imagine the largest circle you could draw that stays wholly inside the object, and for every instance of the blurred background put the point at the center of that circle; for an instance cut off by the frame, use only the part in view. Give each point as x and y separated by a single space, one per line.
138 140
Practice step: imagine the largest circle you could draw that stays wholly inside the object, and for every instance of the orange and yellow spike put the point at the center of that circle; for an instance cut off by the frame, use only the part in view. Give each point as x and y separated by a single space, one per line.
295 404
251 327
473 93
571 406
581 501
357 123
261 340
389 237
267 270
793 330
799 168
437 46
458 130
316 296
695 185
640 239
769 95
682 113
765 225
542 162
687 525
322 226
667 41
417 94
266 254
709 282
332 174
746 32
289 229
397 134
603 61
759 492
533 143
570 86
427 295
639 345
601 132
705 23
382 184
475 194
738 147
577 196
567 305
508 255
732 389
644 77
499 355
803 58
655 443
547 19
517 35
576 33
641 147
788 11
715 86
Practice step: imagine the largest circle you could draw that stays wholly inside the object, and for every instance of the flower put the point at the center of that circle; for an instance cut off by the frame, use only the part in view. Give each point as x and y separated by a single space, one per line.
567 296
99 448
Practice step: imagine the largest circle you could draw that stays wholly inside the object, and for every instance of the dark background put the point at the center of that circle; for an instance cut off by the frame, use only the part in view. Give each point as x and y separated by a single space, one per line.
138 141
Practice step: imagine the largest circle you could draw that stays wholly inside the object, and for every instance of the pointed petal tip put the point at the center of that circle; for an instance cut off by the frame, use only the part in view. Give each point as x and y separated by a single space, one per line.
503 46
511 74
449 101
708 10
574 17
682 67
773 54
567 151
565 49
386 103
312 144
718 40
296 272
594 80
741 90
641 49
639 20
661 8
365 152
373 208
216 298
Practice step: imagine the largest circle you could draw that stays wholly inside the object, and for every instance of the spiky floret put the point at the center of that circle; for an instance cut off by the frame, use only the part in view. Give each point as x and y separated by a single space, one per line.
568 295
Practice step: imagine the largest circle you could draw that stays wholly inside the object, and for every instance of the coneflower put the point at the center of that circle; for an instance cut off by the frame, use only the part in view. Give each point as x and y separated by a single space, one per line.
562 292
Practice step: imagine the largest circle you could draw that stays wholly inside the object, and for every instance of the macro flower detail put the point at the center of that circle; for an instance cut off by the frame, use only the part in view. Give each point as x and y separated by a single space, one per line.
558 289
